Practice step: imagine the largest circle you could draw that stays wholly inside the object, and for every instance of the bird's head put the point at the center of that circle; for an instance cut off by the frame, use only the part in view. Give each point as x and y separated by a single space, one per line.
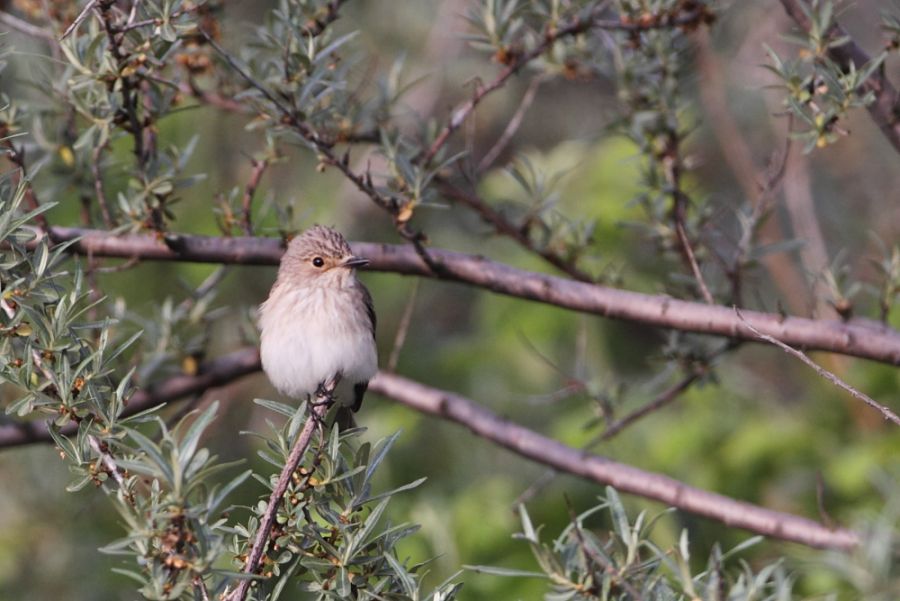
320 256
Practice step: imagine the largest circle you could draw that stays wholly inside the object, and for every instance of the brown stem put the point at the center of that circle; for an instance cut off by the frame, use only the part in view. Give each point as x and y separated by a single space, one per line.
824 373
507 228
259 168
595 468
520 440
513 126
318 409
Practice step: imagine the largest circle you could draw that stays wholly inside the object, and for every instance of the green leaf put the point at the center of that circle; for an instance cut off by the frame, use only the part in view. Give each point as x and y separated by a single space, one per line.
506 572
192 437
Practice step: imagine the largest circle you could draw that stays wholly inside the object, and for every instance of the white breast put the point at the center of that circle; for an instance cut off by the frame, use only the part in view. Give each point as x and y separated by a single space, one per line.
309 334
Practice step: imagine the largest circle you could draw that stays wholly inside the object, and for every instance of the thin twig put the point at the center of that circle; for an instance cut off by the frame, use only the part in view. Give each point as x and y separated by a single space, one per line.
107 460
518 233
210 98
403 328
885 412
259 168
513 126
81 17
612 429
22 26
661 400
820 501
672 169
692 261
201 586
97 174
318 408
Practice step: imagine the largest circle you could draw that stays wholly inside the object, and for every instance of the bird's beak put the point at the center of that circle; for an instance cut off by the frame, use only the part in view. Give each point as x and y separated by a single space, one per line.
354 262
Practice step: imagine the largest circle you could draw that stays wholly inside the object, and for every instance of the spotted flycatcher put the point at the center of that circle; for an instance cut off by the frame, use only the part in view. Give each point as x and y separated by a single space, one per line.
318 321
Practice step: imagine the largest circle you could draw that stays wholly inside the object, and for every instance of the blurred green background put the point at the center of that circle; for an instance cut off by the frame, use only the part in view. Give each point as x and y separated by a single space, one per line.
765 432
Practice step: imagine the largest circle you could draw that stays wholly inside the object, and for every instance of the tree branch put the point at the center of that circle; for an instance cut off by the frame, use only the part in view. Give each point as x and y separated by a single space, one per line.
505 227
884 411
884 110
857 338
324 398
599 469
507 434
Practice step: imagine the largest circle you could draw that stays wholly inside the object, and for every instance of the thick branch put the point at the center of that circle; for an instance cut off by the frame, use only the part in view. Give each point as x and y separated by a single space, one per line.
217 372
599 469
865 339
514 437
884 110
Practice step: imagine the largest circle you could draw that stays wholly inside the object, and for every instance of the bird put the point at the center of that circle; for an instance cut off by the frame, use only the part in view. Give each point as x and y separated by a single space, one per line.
318 322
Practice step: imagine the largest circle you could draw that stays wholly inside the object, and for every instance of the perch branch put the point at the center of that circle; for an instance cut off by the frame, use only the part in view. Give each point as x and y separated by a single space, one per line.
317 410
595 468
857 338
529 444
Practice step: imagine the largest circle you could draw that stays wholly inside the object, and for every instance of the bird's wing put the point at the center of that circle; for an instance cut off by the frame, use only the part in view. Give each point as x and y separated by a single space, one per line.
359 391
370 308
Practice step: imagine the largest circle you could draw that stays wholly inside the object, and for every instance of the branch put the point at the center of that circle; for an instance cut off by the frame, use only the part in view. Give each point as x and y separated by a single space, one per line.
512 127
514 437
599 469
24 27
503 226
324 398
217 372
884 110
259 167
885 412
553 32
857 338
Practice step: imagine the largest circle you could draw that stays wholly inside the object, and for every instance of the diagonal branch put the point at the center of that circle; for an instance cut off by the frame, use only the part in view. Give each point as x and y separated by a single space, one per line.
885 412
599 469
520 440
884 110
857 338
318 407
503 226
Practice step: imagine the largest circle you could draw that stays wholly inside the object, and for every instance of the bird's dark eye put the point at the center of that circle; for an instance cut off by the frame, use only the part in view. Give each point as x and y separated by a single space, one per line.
318 261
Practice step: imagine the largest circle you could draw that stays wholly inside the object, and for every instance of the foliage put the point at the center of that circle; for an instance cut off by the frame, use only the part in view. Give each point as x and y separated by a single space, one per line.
144 117
625 564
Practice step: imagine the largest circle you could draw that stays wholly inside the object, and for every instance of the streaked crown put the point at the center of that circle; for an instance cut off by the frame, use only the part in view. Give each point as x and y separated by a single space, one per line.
319 240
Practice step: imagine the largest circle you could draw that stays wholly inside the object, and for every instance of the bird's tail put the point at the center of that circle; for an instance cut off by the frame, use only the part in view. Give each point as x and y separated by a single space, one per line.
344 419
